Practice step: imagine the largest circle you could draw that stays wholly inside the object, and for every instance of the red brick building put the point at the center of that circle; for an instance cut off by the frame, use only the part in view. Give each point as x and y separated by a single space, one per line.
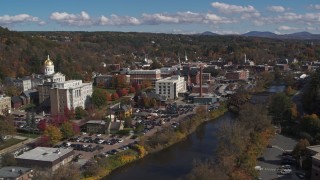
237 75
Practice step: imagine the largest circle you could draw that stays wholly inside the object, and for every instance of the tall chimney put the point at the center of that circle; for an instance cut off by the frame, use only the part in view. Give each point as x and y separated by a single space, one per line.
201 80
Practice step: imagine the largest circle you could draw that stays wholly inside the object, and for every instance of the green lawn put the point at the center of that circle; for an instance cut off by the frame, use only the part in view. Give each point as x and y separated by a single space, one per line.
27 135
9 142
110 91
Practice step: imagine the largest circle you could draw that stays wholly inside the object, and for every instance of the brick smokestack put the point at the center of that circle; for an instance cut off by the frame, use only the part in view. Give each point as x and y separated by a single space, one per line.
201 67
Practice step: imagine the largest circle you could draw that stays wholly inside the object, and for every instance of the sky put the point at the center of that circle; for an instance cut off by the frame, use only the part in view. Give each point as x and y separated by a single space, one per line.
162 16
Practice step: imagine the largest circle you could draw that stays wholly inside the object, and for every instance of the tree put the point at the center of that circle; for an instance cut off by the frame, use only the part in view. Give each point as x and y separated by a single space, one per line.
69 113
67 130
115 96
132 89
108 97
289 91
70 172
156 65
8 159
311 124
128 122
42 125
124 92
33 121
80 112
300 148
254 117
279 108
54 134
98 98
6 128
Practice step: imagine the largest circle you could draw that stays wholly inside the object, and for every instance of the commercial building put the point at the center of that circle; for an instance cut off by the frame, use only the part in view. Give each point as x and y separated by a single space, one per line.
314 153
237 75
69 94
170 87
45 157
23 83
142 76
15 173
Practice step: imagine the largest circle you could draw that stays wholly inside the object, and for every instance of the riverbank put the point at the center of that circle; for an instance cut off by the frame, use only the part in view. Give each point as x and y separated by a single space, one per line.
105 166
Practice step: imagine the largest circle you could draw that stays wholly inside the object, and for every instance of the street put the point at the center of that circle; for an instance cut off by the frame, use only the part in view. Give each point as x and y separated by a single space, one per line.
272 158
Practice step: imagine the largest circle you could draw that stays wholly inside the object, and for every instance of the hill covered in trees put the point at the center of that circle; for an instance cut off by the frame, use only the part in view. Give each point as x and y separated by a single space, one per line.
77 54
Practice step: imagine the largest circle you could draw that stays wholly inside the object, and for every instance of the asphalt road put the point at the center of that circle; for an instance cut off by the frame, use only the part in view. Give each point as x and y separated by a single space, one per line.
272 158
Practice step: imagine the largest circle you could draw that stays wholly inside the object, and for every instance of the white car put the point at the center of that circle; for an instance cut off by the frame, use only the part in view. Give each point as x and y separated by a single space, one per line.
98 135
286 171
120 140
258 168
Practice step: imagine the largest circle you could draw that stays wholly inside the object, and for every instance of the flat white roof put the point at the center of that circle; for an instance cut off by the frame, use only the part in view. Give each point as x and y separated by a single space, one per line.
44 154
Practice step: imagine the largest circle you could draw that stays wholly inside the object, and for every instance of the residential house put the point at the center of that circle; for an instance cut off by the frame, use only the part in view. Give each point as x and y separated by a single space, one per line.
15 173
16 102
96 126
31 96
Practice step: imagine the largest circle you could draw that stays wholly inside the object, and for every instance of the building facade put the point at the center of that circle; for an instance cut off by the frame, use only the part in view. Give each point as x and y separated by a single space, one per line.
237 75
23 83
171 86
141 76
69 94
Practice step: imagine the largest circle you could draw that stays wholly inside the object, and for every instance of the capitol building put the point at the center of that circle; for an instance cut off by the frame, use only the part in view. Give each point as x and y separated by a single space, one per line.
58 94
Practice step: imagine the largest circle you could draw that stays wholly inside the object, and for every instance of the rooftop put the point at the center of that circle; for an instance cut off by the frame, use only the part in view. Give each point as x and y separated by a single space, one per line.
13 171
102 122
314 149
44 154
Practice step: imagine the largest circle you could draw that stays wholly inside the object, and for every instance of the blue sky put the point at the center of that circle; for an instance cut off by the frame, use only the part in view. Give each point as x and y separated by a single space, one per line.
164 16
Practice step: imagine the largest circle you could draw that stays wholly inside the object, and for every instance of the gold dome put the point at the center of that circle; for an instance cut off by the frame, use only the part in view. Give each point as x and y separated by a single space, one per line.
48 62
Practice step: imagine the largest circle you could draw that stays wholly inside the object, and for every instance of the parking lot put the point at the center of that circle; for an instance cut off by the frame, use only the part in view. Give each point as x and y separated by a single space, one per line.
276 162
87 146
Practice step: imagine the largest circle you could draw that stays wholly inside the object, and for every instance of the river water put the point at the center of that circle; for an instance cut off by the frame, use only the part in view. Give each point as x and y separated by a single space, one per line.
177 160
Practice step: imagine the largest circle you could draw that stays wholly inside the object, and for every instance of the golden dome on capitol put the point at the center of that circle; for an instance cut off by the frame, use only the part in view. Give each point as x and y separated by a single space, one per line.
48 62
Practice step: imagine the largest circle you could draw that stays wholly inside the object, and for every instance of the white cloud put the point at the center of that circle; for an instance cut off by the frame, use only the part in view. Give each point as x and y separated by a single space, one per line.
184 18
82 19
119 20
276 8
287 28
246 12
307 19
20 18
315 6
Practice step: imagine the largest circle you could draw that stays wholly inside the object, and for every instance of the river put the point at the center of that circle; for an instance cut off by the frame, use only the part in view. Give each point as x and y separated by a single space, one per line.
177 160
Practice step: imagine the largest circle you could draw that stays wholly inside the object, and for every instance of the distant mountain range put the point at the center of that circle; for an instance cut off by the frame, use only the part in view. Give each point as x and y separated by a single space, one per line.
266 34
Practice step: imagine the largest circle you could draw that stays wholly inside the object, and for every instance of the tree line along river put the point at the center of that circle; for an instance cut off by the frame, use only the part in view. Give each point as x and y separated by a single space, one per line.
177 160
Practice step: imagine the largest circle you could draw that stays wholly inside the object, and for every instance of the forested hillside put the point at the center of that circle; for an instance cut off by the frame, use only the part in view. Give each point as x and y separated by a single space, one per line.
77 54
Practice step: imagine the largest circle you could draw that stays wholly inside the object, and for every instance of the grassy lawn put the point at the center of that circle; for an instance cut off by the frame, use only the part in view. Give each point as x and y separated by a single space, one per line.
28 135
9 142
110 91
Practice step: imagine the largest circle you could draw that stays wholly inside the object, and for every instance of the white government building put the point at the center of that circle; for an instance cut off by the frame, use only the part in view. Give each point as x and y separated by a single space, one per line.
63 94
170 87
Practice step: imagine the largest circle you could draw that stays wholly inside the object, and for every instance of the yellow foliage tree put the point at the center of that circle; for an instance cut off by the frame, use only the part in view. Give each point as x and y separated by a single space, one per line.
54 134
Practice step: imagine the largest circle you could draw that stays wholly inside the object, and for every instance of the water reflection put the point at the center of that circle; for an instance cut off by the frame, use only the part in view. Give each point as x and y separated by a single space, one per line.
177 160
